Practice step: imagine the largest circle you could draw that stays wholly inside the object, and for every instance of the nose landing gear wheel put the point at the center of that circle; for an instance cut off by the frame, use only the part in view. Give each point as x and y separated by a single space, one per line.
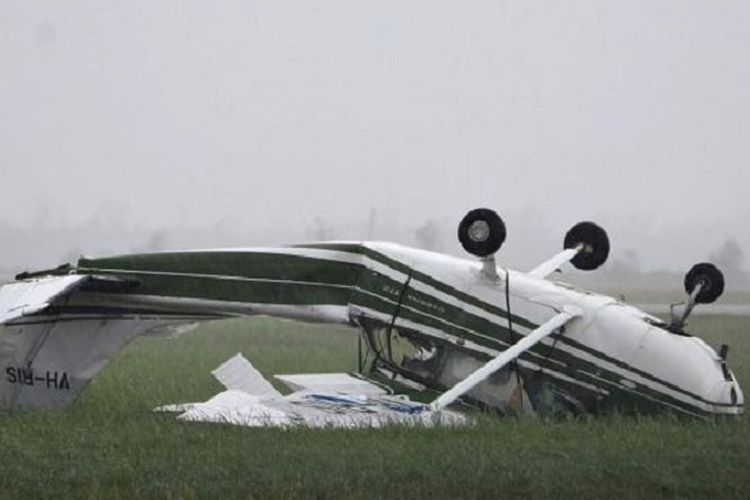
711 278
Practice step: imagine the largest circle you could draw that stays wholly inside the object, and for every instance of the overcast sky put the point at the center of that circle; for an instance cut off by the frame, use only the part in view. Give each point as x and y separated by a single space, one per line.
268 114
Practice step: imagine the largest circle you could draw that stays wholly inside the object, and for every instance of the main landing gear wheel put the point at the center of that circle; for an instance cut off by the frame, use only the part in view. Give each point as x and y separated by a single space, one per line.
595 245
481 232
711 278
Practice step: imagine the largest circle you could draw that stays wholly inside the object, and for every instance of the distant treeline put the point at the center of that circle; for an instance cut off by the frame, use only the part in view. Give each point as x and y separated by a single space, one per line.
46 244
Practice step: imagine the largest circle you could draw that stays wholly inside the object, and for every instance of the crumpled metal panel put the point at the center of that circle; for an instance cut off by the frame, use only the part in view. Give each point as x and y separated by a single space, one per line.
237 374
331 382
332 408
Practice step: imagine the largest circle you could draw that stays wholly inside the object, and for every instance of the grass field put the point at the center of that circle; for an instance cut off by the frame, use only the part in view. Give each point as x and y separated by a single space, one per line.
110 445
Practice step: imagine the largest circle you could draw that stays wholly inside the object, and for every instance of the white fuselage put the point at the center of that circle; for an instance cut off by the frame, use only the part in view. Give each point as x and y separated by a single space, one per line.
637 354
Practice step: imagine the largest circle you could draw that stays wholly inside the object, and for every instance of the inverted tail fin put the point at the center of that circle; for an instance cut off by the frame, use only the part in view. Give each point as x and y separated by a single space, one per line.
49 353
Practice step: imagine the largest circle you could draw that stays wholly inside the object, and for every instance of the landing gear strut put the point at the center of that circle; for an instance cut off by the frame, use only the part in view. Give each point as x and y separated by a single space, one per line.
704 283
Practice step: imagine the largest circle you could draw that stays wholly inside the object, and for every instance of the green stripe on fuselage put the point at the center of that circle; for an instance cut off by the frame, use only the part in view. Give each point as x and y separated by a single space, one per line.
252 277
422 277
258 265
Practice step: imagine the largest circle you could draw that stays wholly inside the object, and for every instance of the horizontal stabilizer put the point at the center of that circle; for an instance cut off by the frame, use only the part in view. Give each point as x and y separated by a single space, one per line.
237 374
342 383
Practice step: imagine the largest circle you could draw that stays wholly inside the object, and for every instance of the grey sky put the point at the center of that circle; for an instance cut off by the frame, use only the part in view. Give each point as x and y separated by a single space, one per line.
265 115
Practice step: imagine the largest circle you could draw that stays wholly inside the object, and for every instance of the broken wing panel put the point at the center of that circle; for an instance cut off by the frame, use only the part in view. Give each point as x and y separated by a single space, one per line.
237 374
311 407
239 408
318 410
342 383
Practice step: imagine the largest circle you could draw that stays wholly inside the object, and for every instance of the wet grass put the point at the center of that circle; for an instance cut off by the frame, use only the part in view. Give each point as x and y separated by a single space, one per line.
637 295
111 445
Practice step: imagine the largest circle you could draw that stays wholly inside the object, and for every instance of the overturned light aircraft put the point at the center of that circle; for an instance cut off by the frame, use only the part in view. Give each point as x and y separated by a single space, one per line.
442 326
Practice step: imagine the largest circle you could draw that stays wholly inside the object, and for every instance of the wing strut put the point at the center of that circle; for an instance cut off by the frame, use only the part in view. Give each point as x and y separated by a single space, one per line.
503 358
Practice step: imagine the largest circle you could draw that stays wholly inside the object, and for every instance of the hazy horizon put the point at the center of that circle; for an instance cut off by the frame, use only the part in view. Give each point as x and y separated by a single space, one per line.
137 125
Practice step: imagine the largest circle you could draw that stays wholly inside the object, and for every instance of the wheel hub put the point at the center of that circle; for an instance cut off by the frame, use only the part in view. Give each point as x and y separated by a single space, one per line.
479 231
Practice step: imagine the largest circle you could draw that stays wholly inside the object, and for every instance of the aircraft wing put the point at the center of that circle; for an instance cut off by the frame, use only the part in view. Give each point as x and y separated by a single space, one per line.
325 401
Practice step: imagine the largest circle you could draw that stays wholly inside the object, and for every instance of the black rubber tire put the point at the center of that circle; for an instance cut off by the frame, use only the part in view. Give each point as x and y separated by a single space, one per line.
481 239
596 245
713 282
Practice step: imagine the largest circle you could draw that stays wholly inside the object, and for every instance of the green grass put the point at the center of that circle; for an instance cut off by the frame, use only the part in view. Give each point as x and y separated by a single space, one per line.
635 294
110 444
